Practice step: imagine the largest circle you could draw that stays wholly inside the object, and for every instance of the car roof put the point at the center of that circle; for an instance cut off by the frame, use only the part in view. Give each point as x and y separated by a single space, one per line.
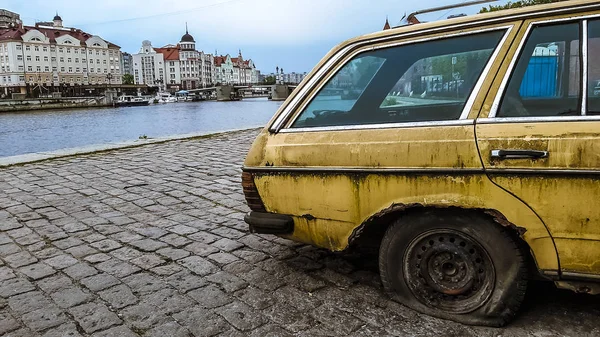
562 7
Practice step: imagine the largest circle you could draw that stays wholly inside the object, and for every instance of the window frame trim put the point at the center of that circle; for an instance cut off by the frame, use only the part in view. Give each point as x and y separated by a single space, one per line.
280 123
583 19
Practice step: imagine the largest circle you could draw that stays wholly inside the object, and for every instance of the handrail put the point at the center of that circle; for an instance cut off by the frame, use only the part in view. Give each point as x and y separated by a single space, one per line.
412 17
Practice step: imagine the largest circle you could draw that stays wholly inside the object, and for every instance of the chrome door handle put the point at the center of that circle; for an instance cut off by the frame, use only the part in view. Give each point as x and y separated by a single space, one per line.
518 154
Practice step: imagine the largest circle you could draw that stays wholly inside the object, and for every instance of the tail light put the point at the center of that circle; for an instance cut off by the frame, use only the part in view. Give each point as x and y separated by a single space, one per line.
251 193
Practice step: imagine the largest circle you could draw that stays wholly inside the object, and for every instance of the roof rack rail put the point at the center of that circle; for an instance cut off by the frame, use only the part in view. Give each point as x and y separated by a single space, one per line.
411 19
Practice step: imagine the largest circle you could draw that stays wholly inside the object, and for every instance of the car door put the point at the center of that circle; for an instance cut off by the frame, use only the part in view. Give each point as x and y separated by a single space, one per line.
392 124
539 138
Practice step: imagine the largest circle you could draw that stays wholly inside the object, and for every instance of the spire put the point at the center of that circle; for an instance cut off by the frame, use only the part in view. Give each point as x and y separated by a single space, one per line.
186 29
387 24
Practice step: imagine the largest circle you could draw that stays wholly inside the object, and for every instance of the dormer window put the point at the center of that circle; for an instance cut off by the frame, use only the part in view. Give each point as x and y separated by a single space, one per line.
36 39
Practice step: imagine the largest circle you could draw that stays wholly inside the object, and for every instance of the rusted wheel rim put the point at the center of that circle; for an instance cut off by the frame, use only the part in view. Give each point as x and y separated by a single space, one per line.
448 270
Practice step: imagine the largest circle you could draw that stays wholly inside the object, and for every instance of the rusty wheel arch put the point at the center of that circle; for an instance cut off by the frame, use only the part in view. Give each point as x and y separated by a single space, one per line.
369 234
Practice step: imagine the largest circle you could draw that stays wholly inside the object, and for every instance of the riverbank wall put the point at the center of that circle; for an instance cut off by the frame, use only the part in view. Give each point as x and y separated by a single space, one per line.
12 105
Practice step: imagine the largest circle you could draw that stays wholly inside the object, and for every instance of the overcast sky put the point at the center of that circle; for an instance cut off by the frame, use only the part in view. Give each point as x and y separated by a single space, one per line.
292 34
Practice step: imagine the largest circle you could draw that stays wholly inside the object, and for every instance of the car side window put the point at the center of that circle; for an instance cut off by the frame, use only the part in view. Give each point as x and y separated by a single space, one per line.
547 78
426 81
593 68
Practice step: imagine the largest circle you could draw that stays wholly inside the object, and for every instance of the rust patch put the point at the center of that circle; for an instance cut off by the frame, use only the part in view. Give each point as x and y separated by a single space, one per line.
500 219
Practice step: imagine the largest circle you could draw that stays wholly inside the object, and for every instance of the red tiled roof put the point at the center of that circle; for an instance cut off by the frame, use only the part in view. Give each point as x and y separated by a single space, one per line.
51 33
219 60
169 54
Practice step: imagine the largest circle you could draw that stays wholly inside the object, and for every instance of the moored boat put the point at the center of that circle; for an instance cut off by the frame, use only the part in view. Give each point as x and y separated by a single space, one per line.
126 100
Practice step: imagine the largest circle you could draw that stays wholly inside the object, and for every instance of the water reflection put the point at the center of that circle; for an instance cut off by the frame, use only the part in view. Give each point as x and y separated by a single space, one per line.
50 130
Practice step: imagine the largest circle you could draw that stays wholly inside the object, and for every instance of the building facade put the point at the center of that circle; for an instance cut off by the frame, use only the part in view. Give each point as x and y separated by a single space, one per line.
126 64
235 71
149 66
51 55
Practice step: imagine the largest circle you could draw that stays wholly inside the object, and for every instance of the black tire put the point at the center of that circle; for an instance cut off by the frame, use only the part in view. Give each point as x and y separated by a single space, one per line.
456 265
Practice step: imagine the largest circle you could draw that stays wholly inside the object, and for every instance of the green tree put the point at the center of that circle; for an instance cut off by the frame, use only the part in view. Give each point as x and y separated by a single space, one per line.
270 80
517 4
127 79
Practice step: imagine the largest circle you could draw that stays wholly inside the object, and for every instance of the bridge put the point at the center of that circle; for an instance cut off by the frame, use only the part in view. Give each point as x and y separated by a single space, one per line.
276 92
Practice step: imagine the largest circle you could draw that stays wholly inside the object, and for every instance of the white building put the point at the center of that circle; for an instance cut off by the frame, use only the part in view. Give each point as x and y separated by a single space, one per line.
50 55
149 66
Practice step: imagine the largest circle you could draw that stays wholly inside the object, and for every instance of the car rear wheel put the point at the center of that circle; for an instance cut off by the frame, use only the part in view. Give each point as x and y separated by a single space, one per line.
454 265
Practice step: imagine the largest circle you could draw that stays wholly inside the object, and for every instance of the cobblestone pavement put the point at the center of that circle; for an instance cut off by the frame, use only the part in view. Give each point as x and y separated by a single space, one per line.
150 241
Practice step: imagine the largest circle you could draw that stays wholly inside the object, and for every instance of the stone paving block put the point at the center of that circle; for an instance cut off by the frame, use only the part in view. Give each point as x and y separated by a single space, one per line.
201 249
204 237
147 261
7 323
9 249
202 322
99 282
210 297
44 318
241 316
93 317
23 332
144 283
143 316
167 269
167 301
148 245
70 297
226 281
172 253
6 273
227 245
37 271
106 245
198 265
27 302
54 283
118 296
272 330
185 281
126 253
183 229
68 243
175 240
171 329
80 270
81 251
290 318
126 236
117 268
20 259
118 331
97 258
65 330
61 261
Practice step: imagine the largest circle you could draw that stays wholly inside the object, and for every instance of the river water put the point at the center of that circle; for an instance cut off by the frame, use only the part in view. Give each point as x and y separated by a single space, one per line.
48 130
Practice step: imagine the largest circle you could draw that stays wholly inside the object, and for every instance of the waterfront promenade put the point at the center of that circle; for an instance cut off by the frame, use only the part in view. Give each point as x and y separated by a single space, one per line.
150 241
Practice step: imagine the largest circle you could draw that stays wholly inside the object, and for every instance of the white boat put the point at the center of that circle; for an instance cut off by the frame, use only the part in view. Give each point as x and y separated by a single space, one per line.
126 100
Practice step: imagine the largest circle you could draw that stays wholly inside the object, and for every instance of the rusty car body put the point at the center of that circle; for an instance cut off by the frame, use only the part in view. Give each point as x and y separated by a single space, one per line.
471 157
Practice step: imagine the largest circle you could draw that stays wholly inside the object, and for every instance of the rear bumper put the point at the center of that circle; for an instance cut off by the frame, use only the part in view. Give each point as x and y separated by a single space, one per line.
269 223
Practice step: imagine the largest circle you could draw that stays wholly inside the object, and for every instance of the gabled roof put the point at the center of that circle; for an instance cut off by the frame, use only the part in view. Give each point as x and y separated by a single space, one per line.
51 32
169 54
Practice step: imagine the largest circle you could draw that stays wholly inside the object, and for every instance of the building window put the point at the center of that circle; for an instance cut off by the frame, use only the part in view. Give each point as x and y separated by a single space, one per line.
29 68
70 69
91 70
76 51
36 48
19 57
97 51
28 57
19 48
37 58
27 48
60 50
53 58
69 49
91 60
46 69
46 58
76 60
53 68
69 60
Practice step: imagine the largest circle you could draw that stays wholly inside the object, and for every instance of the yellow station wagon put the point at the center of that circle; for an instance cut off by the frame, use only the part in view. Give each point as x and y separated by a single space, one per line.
467 149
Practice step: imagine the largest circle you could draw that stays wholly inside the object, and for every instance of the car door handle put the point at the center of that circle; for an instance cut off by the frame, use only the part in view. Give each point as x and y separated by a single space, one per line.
518 154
